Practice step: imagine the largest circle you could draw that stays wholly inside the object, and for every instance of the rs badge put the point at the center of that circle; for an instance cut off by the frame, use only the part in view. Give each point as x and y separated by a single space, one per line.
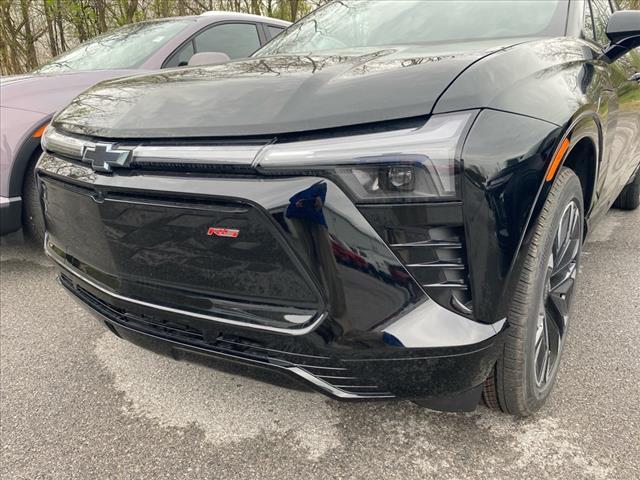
223 232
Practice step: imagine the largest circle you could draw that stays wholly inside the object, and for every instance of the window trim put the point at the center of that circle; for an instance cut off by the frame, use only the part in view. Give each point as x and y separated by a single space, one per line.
178 51
262 28
272 25
261 38
593 24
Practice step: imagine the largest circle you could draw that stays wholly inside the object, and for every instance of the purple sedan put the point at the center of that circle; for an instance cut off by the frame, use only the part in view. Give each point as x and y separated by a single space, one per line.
27 102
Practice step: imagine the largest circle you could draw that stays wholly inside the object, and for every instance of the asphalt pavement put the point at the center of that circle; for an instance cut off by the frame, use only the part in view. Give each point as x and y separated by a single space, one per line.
77 402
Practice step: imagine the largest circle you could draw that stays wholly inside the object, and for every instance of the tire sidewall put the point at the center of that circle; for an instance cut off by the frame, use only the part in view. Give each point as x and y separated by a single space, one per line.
32 216
569 190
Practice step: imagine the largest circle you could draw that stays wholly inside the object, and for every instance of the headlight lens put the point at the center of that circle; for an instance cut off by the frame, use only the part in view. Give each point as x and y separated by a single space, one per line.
404 165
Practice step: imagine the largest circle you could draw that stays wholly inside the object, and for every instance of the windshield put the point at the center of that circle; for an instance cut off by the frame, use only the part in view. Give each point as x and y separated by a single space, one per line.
369 23
127 47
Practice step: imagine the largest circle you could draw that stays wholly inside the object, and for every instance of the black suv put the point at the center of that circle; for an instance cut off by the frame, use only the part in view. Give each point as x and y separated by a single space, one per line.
387 200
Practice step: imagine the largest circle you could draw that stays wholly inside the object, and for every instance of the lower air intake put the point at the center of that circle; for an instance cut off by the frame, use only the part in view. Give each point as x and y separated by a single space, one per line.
437 260
430 241
329 370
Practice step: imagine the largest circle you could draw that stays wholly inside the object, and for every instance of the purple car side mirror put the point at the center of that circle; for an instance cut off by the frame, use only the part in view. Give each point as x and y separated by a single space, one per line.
208 58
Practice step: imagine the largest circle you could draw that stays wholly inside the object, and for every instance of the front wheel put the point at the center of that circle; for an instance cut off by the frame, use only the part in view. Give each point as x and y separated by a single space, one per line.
539 313
32 218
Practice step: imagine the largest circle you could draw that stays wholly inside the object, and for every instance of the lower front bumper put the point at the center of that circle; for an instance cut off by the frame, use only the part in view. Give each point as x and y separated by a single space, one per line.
10 214
444 378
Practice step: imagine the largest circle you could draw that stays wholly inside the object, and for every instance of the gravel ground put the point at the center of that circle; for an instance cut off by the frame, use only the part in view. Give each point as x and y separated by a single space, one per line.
77 402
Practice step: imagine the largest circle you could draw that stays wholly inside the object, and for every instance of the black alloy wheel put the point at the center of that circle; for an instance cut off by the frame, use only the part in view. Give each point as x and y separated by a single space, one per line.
540 308
560 280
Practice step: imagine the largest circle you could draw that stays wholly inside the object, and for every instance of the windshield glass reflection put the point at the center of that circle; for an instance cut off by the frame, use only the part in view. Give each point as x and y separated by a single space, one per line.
125 48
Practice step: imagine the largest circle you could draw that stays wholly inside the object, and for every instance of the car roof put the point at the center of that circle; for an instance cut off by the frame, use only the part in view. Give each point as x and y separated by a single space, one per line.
215 15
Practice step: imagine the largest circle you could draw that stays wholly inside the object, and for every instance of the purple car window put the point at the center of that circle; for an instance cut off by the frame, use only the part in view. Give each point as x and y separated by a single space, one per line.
235 39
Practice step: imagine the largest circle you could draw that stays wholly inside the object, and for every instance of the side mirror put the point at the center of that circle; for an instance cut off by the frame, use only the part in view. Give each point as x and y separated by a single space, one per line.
623 30
208 58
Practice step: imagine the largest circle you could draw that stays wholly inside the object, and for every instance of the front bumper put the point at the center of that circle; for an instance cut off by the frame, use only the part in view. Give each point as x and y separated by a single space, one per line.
445 377
325 301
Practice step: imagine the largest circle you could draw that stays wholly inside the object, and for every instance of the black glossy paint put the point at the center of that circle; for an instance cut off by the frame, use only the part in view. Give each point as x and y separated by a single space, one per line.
498 193
275 95
410 300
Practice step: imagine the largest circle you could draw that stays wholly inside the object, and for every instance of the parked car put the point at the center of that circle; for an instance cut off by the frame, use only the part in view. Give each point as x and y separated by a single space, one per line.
27 102
468 148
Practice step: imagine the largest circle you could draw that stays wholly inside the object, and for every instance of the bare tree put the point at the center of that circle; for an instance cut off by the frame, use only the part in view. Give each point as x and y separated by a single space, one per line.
33 31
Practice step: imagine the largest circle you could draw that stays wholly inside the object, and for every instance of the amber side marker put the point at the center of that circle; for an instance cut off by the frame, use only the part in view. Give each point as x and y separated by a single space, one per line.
38 133
553 169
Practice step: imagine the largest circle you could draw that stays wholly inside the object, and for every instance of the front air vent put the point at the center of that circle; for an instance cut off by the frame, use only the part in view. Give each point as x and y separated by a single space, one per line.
437 261
430 241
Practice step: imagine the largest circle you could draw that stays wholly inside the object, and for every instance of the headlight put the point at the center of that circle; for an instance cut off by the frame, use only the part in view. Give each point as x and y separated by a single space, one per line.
399 166
53 141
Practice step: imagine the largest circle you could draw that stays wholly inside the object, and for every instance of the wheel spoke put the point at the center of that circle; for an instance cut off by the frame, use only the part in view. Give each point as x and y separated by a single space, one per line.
549 363
567 242
544 366
569 255
557 313
563 280
559 305
574 217
562 237
539 334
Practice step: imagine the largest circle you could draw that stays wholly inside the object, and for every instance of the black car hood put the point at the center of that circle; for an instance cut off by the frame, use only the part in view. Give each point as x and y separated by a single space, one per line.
274 95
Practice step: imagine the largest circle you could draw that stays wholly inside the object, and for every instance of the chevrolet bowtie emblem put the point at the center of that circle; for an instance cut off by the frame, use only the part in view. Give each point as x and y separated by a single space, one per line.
103 157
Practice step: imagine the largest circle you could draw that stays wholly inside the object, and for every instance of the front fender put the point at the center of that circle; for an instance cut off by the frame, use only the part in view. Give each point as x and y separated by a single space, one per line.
549 79
17 145
506 159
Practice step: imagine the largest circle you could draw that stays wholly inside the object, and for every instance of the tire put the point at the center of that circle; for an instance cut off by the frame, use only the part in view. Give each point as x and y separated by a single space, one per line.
521 382
629 198
32 218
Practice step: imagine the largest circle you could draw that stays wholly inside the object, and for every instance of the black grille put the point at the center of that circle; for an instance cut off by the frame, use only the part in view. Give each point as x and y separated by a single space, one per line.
161 249
329 369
